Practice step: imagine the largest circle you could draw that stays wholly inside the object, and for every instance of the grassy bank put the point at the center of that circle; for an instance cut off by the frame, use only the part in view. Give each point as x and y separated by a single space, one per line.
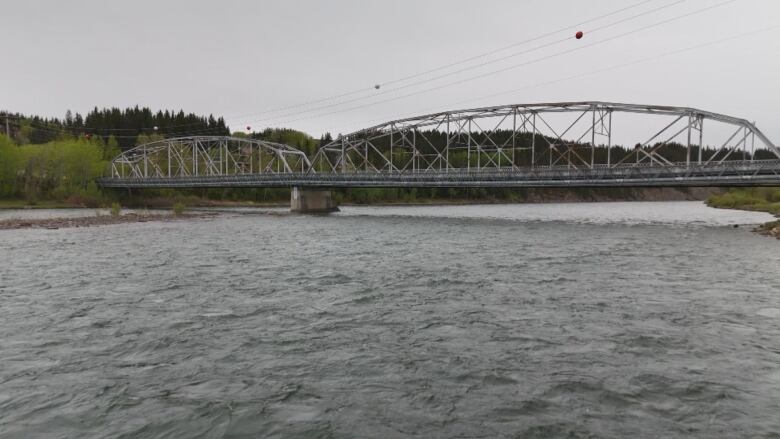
754 199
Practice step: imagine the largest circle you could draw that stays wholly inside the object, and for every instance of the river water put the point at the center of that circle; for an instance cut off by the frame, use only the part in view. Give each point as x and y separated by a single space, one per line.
554 320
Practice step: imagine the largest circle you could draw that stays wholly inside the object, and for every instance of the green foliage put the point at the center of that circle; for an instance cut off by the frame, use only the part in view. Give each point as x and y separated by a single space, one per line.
760 199
125 126
55 170
294 138
148 138
111 148
116 209
178 208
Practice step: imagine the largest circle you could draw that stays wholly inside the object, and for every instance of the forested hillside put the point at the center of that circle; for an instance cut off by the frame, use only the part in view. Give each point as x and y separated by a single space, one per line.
129 126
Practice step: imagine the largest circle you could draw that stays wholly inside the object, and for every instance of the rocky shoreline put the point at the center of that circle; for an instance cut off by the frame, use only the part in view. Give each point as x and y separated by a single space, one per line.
98 220
771 228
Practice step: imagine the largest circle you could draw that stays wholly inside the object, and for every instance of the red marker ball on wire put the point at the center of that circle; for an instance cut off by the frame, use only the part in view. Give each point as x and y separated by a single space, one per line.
578 35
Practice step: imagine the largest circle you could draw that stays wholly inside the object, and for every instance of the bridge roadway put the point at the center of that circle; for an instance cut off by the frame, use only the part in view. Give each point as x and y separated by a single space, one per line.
731 173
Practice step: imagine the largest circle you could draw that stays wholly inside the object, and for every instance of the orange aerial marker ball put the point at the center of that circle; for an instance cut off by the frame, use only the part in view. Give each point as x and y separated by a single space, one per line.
578 35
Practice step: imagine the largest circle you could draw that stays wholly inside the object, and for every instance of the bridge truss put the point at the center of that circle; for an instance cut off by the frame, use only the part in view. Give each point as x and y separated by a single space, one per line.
207 156
527 145
523 137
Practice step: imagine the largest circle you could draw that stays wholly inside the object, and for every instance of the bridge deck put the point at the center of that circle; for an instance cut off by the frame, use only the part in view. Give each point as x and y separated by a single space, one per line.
733 173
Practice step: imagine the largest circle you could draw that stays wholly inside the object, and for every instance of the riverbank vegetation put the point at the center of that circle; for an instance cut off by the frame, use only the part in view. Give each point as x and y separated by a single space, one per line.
61 171
756 199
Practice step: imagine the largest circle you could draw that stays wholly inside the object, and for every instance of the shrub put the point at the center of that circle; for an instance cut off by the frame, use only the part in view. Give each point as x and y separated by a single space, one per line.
178 208
116 209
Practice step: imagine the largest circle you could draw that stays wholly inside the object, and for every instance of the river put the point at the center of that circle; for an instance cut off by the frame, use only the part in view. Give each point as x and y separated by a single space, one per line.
543 320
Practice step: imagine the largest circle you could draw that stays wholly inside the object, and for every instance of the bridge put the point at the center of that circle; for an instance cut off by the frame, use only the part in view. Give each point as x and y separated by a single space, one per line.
565 144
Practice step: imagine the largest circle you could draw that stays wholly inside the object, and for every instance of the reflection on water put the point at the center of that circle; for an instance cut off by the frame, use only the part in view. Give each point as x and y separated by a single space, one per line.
567 320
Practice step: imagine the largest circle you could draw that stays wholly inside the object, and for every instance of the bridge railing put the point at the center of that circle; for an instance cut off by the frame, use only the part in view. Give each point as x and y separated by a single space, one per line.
756 173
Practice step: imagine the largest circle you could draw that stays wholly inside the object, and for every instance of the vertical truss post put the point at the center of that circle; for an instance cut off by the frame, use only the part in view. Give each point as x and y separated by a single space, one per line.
447 148
468 148
479 152
415 164
593 138
752 145
688 149
227 157
701 135
146 163
514 136
533 142
392 128
169 160
220 159
343 156
609 140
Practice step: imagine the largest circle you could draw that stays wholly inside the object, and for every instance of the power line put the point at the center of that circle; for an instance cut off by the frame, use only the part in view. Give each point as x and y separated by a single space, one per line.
464 69
602 70
515 66
605 69
462 61
568 38
403 79
530 40
490 73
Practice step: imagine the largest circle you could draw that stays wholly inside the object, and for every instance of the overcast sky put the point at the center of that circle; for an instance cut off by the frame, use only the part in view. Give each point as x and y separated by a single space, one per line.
242 59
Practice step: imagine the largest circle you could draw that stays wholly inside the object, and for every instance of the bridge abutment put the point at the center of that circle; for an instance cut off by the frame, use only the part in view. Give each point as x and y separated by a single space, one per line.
312 201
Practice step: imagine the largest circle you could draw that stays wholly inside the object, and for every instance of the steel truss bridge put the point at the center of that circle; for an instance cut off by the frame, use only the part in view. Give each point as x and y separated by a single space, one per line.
568 144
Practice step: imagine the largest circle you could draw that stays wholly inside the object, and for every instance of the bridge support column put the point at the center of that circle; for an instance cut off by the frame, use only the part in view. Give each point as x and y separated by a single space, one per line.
311 201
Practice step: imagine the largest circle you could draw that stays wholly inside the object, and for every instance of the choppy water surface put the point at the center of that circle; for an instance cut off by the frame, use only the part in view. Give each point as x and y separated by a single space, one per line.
566 320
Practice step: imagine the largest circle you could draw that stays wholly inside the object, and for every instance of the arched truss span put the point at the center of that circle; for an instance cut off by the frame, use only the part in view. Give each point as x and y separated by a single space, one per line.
529 136
208 156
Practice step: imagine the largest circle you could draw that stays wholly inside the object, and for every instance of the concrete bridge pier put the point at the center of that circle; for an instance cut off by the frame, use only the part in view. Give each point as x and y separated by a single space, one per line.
311 201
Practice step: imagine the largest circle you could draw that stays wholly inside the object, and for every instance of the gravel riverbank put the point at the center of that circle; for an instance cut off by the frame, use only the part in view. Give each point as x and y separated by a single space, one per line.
97 220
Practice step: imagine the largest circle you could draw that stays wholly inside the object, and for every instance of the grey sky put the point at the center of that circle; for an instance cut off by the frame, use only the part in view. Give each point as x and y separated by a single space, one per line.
241 58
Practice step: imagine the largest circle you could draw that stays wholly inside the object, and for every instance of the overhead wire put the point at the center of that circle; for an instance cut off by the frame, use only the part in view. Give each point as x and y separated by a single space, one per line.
468 68
394 81
515 66
591 72
490 73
